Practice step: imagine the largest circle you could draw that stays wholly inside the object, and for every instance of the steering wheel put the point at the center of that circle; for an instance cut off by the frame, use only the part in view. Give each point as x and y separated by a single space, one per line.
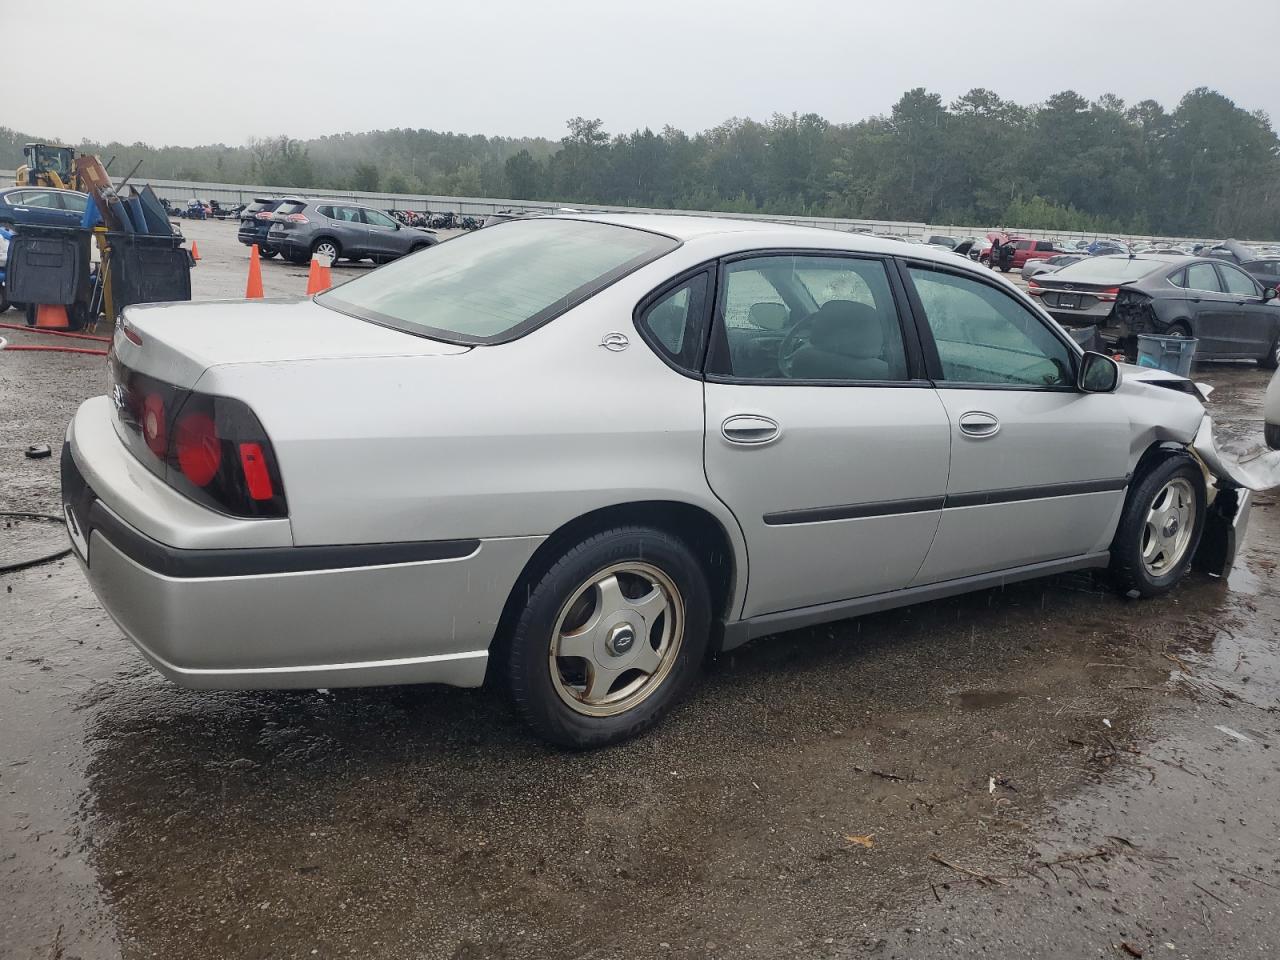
792 342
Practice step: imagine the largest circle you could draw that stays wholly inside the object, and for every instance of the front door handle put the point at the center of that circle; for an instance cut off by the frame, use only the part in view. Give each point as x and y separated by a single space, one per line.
750 429
979 424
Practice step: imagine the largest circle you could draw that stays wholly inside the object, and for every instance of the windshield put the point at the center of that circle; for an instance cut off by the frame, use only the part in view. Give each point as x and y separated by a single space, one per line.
1108 269
498 283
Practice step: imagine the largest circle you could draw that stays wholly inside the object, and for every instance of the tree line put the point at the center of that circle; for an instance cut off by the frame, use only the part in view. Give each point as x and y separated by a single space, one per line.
1207 168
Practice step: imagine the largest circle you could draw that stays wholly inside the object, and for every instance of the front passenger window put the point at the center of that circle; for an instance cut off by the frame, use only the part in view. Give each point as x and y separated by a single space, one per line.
983 335
1238 282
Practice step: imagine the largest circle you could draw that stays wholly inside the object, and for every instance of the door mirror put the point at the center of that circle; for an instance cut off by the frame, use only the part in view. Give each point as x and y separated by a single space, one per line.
1098 373
1269 293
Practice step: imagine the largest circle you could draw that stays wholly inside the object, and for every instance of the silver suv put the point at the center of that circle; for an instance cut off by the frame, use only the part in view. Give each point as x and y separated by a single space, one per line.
341 231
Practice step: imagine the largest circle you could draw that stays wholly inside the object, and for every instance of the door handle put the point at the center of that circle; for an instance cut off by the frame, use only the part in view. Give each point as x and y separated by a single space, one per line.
750 429
979 424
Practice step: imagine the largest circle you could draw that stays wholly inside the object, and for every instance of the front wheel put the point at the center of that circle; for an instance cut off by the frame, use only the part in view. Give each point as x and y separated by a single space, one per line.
4 300
610 637
1160 528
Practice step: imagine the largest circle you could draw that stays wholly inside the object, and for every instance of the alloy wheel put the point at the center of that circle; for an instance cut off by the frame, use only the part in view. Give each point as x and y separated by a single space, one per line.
1170 523
327 249
616 639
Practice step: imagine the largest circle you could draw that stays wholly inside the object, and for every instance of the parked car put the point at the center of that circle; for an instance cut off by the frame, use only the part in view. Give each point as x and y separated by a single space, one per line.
1034 268
1266 270
941 240
255 222
1233 251
1228 311
552 452
339 230
1107 248
41 207
5 237
968 247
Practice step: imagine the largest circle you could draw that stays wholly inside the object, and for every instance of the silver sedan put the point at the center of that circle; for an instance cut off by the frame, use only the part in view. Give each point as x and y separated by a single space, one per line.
580 454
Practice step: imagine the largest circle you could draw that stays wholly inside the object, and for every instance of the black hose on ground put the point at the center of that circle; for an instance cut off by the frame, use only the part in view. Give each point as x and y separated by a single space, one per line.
24 564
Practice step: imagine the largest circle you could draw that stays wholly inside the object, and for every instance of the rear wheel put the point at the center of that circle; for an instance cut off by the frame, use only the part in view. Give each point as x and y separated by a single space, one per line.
4 300
1160 528
325 247
1178 328
266 253
611 636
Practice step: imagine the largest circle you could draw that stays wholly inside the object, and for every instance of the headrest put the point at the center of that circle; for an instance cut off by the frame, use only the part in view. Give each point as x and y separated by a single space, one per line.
848 327
768 316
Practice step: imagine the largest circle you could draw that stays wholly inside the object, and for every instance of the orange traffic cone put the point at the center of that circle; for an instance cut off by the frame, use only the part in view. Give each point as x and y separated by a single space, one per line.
195 252
253 289
52 316
319 278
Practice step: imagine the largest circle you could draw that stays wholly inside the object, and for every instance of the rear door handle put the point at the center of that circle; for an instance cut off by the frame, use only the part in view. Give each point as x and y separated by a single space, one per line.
979 424
750 429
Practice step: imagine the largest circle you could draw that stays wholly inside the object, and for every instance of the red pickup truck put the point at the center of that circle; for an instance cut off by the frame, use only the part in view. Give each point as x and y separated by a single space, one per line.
1024 249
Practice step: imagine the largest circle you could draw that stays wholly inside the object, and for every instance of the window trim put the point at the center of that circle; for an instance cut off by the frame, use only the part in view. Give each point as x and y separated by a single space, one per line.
916 376
694 372
933 361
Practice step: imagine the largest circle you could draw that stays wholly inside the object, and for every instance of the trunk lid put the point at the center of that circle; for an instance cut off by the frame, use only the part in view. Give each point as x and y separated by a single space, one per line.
180 341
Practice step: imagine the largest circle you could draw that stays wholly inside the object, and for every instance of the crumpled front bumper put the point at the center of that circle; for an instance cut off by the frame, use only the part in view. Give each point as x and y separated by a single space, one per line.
1236 478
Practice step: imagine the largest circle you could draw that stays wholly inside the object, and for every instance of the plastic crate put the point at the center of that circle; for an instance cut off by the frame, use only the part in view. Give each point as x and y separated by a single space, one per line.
148 269
1171 354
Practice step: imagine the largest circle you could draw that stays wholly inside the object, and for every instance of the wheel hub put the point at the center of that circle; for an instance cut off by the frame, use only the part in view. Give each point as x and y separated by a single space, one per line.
621 639
1171 527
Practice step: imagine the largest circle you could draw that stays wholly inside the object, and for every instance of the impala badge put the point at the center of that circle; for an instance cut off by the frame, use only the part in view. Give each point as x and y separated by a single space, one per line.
615 341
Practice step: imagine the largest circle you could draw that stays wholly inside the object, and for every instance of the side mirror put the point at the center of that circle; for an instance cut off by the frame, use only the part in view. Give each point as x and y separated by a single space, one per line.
1270 293
1098 373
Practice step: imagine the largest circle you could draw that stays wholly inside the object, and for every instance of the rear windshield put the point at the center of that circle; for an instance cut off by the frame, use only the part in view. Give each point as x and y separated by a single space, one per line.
1108 269
288 207
498 283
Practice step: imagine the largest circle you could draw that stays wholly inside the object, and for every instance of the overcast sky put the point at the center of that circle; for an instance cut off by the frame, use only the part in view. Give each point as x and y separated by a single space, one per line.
203 71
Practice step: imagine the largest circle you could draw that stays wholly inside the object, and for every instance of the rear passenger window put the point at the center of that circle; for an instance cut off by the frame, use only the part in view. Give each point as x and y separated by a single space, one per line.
1022 245
1044 246
1202 276
809 318
673 324
983 335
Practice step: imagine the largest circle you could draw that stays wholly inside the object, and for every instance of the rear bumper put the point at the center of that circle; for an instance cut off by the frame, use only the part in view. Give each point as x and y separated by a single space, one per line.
279 617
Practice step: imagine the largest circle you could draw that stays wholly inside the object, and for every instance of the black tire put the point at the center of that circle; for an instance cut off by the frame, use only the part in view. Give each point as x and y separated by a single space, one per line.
323 242
265 253
527 650
4 300
1271 360
1179 328
1127 567
31 314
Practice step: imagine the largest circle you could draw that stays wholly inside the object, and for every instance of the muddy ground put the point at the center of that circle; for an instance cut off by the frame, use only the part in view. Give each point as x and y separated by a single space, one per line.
1043 771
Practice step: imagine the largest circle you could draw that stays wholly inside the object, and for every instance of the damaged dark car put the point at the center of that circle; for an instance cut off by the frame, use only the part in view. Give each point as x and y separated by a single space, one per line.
1233 316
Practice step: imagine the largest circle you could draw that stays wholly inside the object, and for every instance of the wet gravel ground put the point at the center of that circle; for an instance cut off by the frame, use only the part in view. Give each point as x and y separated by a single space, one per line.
1047 770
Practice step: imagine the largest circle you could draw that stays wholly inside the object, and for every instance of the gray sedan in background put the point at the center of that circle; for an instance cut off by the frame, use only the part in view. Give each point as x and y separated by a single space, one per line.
1033 268
580 454
341 230
1232 315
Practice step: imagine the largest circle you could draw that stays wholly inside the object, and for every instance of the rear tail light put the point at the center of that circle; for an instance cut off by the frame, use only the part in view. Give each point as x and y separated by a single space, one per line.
297 218
211 449
263 215
1034 289
1109 295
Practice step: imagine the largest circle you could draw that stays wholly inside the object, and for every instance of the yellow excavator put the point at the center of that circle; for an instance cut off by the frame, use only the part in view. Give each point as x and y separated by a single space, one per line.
48 165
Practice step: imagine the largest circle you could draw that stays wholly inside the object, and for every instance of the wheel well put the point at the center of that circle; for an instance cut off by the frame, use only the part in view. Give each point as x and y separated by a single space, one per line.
699 530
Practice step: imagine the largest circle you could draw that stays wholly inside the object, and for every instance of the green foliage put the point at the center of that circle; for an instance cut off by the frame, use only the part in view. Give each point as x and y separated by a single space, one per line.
1208 168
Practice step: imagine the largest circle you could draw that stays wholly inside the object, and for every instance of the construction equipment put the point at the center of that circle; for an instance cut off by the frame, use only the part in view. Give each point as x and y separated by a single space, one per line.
48 165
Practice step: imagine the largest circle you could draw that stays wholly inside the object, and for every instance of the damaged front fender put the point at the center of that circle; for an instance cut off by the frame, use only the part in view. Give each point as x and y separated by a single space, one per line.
1235 479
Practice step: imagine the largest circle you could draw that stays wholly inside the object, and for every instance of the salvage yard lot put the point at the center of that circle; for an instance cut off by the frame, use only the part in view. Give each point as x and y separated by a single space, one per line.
1045 770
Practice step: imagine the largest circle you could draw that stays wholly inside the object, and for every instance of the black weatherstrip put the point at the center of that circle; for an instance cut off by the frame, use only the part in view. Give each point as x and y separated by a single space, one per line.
887 508
853 511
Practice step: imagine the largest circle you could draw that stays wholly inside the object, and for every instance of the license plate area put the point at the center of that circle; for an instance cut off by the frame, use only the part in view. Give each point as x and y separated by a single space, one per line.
1069 300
